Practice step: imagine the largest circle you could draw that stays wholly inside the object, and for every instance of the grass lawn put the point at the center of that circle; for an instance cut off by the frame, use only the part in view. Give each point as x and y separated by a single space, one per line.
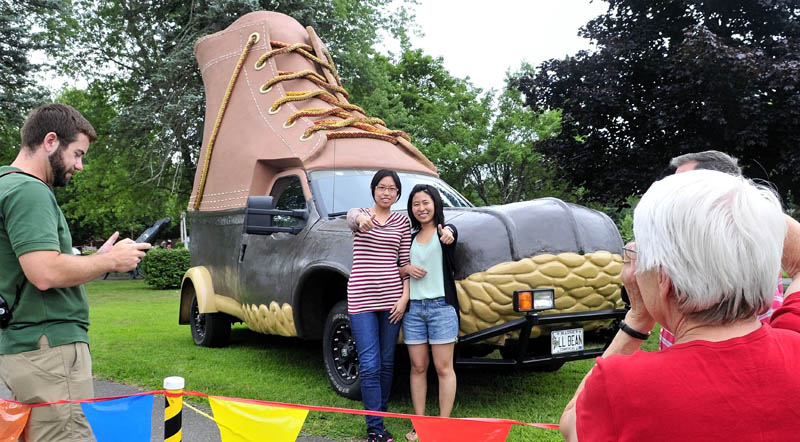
136 340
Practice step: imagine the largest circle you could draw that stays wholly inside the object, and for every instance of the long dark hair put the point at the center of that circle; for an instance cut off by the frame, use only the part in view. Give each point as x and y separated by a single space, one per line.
381 174
438 209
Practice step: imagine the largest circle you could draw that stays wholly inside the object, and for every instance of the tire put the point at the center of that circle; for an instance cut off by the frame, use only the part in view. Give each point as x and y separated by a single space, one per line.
209 329
339 353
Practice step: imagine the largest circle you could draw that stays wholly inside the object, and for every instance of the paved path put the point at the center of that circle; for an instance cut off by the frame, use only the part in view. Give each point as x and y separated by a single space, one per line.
196 428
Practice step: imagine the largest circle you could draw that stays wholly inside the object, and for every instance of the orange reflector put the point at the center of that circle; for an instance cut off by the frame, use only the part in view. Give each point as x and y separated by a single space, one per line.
525 301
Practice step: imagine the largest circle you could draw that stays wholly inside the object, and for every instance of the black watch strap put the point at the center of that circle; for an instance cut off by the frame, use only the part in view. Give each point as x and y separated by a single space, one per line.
633 333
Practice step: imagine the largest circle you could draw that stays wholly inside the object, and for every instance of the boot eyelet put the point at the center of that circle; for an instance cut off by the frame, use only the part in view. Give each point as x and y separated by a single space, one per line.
286 124
274 111
264 91
254 34
258 66
304 138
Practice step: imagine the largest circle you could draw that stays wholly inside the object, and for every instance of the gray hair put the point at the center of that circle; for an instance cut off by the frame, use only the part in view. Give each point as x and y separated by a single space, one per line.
719 238
709 160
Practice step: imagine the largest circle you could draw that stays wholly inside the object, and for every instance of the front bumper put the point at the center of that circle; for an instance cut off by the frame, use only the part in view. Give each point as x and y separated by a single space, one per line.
523 357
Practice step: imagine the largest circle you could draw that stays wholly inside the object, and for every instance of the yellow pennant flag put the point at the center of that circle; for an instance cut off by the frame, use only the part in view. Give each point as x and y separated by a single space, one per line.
246 422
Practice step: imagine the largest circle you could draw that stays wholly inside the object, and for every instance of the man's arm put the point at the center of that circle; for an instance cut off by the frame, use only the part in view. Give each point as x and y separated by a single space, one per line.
48 269
791 254
788 315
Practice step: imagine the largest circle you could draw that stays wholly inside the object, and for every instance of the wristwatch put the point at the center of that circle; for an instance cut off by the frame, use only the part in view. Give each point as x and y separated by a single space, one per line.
633 333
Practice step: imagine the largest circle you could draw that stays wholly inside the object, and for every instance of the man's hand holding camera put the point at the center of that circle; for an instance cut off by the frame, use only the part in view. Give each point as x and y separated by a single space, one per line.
125 255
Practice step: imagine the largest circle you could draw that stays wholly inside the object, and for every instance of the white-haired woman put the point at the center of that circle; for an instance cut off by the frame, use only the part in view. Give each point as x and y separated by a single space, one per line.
708 246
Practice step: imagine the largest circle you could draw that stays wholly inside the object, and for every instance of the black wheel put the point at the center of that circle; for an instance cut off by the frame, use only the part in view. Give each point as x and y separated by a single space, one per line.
209 329
339 353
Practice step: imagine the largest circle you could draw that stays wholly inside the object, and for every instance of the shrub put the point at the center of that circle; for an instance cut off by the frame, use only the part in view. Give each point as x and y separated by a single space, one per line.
164 268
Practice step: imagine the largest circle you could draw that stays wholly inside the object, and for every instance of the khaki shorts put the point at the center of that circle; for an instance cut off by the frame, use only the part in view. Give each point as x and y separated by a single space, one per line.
48 375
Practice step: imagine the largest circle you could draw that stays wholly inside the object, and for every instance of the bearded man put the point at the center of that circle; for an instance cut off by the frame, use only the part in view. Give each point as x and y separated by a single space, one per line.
44 342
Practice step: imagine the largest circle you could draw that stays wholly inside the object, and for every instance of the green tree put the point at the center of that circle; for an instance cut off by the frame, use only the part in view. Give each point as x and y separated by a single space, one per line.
104 197
509 168
18 90
483 147
670 77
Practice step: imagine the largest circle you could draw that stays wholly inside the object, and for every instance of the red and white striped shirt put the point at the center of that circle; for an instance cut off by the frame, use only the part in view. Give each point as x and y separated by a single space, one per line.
667 339
375 283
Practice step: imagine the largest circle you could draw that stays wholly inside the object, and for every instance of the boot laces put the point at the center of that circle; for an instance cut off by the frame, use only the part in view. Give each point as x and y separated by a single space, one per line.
343 110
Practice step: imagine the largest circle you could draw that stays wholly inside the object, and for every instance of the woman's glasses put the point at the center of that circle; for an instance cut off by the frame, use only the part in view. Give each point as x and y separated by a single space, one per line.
628 255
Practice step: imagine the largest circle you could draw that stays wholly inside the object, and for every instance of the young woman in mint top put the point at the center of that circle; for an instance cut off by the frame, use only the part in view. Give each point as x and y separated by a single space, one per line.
432 316
376 294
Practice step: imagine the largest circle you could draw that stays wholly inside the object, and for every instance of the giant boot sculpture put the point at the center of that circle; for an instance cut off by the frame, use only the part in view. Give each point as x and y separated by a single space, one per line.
273 95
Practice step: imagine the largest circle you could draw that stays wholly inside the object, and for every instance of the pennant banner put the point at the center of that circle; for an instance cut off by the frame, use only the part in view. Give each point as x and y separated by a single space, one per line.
127 418
13 417
246 422
433 429
121 420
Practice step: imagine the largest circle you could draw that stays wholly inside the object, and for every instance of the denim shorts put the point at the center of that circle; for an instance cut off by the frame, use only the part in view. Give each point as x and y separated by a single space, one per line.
431 321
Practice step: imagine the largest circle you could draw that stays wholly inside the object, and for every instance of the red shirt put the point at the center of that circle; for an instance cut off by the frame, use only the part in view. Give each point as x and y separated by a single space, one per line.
742 389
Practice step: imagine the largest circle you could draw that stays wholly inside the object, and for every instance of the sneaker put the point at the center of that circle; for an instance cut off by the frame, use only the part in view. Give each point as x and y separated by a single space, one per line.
380 437
386 436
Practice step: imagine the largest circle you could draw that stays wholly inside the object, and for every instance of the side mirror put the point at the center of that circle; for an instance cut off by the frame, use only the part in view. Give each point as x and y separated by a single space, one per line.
258 217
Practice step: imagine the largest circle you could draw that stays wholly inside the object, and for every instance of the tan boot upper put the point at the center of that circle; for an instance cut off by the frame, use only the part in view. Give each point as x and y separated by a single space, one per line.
269 126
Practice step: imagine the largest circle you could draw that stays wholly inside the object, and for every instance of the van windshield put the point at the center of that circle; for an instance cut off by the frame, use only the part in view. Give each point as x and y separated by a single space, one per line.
341 190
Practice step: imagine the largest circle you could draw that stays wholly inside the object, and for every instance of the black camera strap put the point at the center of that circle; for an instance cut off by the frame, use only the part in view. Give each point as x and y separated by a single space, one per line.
22 285
26 173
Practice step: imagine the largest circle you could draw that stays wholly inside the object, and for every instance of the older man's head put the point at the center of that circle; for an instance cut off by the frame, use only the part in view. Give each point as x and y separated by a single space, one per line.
719 240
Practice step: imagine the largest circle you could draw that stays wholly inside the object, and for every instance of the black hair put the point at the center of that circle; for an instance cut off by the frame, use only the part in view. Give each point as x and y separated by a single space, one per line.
381 174
438 208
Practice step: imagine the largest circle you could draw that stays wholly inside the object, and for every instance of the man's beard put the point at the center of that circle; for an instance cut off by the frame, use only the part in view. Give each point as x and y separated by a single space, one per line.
59 169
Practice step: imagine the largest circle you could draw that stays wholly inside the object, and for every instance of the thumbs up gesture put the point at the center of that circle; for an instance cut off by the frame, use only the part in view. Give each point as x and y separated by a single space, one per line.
366 223
445 235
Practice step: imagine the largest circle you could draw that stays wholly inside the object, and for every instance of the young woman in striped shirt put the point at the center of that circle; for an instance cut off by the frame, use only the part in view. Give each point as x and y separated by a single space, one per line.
432 317
376 294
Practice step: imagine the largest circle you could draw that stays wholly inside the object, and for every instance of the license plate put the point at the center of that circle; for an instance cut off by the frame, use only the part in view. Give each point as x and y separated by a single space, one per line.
565 341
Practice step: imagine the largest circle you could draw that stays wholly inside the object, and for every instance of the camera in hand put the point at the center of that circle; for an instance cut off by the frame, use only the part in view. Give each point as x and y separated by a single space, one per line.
5 313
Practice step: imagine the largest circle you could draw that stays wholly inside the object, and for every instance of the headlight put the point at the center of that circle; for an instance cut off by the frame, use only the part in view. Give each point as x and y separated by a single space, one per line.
534 300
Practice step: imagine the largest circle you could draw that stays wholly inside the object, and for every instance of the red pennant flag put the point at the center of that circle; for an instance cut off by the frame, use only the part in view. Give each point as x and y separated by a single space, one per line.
13 417
433 429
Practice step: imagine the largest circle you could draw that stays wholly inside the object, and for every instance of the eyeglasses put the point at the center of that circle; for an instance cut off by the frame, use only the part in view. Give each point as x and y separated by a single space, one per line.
628 255
386 189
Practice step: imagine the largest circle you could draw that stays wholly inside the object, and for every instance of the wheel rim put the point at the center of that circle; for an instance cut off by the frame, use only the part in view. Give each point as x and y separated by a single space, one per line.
199 322
345 356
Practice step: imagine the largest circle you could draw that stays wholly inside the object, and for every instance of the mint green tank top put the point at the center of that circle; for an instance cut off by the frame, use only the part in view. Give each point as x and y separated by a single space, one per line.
429 257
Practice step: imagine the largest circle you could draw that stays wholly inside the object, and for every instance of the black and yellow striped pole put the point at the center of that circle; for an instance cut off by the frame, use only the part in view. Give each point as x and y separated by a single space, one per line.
173 405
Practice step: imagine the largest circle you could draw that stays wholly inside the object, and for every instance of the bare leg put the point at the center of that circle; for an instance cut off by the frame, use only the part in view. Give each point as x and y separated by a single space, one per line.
419 381
443 361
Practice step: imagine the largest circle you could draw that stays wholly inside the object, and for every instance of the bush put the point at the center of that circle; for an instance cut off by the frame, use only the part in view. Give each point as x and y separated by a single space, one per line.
164 268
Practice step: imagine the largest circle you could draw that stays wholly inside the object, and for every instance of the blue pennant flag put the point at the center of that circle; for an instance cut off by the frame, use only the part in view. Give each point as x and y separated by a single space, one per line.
127 419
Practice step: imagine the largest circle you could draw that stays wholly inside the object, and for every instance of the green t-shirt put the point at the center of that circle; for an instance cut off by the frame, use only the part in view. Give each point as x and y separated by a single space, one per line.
30 220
